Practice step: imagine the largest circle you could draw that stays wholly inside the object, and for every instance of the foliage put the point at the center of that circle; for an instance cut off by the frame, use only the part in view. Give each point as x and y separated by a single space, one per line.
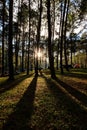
20 38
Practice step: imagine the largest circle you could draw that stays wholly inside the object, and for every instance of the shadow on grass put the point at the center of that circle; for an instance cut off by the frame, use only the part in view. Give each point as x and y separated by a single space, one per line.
64 101
77 75
83 70
19 119
11 84
74 92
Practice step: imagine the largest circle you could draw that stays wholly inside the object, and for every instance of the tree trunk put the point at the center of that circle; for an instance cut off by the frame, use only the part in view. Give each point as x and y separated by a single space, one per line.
61 44
17 40
23 44
16 54
10 38
65 49
51 60
53 26
3 35
58 45
38 38
71 49
28 61
57 60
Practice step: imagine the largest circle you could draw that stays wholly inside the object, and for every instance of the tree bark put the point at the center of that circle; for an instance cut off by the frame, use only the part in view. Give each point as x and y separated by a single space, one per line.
65 49
3 35
23 44
28 60
61 44
38 37
51 60
10 38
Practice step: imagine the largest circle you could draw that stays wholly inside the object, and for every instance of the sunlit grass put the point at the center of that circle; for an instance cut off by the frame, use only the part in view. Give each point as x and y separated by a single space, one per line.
3 79
44 103
10 98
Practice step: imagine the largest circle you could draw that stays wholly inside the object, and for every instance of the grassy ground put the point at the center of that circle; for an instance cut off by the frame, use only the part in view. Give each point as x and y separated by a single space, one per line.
35 103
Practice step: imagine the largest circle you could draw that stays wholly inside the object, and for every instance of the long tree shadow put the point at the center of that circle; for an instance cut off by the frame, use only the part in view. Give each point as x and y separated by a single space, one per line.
74 92
19 119
65 102
77 75
11 84
80 70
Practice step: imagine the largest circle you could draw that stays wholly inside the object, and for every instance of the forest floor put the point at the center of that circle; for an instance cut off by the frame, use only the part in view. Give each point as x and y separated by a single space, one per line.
41 103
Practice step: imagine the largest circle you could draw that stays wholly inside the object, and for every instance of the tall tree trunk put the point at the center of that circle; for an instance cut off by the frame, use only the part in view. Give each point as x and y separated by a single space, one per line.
65 49
10 38
38 37
17 41
3 35
58 45
51 60
53 26
62 32
23 44
28 60
57 58
71 48
16 54
19 26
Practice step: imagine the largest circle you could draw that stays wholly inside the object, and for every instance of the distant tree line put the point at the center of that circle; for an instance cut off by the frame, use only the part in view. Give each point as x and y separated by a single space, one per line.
21 23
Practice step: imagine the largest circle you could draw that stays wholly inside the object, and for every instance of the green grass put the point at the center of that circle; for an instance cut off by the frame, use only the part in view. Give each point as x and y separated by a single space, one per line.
35 103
